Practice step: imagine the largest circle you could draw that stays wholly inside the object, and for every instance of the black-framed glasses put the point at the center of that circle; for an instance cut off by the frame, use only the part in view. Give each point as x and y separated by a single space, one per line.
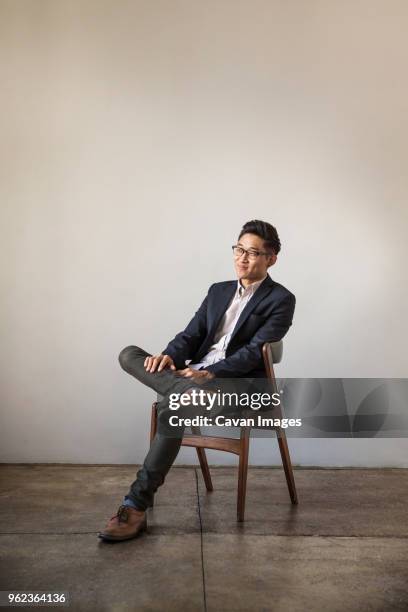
252 253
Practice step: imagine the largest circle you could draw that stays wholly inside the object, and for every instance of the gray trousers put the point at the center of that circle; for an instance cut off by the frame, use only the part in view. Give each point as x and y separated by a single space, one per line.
164 447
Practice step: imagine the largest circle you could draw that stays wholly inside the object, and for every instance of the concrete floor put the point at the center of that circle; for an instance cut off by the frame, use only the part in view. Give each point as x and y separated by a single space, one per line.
344 548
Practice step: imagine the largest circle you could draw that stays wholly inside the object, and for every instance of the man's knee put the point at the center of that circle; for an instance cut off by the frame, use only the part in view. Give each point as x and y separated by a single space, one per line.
128 354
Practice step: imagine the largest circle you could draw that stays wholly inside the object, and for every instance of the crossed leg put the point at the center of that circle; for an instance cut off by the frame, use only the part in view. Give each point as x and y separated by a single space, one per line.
164 448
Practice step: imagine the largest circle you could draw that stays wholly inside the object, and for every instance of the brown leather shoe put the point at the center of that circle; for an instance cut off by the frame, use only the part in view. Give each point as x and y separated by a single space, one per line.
127 523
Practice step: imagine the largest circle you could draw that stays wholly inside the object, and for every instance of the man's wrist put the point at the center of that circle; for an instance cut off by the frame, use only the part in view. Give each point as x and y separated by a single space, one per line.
210 370
208 374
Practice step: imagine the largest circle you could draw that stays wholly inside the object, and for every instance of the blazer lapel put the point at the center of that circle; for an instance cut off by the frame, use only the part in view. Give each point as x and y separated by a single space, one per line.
260 293
221 306
216 313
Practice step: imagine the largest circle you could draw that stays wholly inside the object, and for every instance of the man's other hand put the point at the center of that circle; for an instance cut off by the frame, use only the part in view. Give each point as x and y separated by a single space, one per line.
160 362
197 375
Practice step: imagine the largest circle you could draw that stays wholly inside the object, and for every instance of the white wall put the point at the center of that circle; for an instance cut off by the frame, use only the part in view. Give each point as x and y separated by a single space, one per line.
137 138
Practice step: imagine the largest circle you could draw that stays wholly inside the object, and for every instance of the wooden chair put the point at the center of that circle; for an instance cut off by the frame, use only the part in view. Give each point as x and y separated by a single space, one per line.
272 354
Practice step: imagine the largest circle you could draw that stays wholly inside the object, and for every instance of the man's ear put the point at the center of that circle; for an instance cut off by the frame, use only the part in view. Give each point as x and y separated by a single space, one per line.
272 259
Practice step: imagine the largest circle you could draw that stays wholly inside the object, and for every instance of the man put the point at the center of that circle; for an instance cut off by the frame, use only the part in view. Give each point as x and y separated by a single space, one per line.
224 339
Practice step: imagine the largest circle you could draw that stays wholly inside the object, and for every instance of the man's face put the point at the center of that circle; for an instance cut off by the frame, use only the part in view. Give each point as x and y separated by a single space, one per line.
251 269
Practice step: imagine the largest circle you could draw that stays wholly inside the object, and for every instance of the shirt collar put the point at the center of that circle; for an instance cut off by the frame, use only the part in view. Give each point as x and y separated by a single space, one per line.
250 289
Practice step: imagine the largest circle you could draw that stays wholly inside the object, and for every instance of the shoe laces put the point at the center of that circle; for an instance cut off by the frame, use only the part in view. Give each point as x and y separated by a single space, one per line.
122 514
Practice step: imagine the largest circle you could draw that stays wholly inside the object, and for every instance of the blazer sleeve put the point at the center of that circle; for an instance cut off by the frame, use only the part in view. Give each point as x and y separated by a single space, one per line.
249 357
186 343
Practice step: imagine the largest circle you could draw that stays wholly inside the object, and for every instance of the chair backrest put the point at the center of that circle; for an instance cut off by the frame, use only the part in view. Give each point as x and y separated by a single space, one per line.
273 351
272 354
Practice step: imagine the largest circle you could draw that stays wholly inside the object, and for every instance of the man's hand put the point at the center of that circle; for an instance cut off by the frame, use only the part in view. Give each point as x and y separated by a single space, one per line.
162 361
197 375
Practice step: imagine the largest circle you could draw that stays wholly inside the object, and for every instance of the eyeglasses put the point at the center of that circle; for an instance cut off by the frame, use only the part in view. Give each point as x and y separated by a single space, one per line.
252 253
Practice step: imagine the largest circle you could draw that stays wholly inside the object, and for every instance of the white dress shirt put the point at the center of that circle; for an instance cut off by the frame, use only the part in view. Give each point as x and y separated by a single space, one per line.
226 326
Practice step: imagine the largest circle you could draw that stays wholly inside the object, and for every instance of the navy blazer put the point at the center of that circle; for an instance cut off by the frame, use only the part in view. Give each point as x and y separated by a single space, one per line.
266 318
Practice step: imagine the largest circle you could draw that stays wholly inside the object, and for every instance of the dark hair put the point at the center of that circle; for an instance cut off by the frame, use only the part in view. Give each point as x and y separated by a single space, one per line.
264 230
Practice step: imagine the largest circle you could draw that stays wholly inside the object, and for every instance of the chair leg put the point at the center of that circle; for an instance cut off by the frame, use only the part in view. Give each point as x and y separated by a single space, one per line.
242 472
202 457
205 469
287 465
